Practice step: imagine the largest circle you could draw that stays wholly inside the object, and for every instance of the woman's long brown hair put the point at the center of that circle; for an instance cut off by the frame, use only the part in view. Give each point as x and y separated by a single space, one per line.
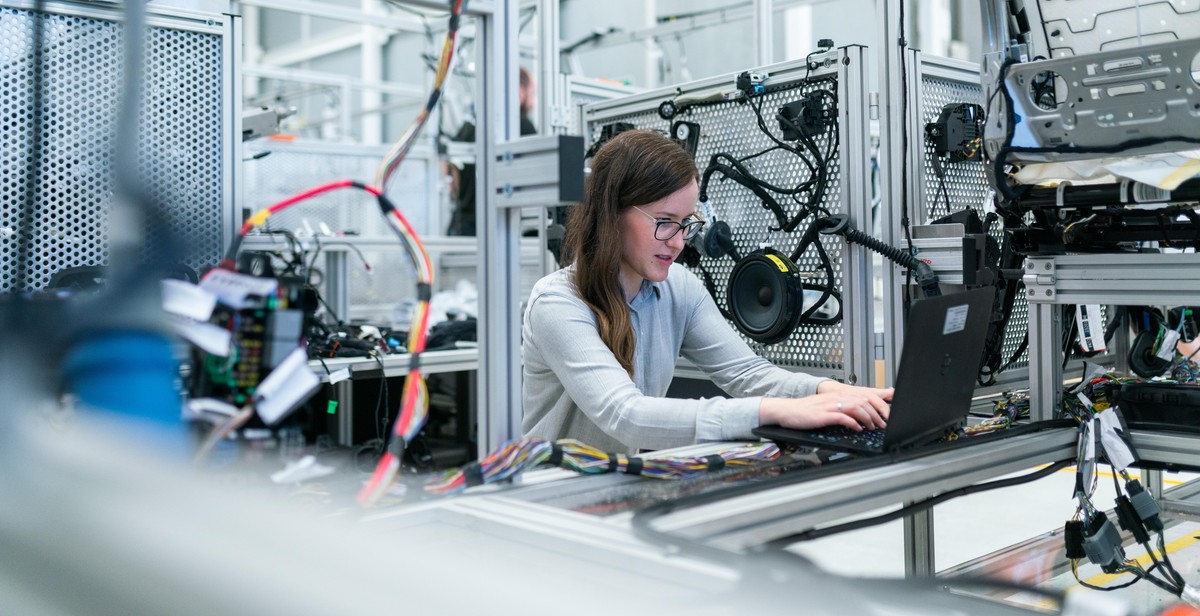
634 168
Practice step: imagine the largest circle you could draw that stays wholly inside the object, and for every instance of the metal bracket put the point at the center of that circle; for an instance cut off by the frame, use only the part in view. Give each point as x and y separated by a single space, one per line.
1040 280
537 172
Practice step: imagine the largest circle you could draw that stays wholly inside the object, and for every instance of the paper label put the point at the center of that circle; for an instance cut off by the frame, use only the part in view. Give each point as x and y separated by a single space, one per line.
234 289
1090 327
210 338
187 300
1167 349
289 384
956 319
337 376
1115 448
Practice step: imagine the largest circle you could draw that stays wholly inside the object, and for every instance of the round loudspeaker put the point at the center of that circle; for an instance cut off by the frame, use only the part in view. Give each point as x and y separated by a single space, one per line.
1143 361
765 296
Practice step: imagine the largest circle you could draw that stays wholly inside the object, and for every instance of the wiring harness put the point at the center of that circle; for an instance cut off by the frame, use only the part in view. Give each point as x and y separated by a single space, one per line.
1090 533
517 456
415 398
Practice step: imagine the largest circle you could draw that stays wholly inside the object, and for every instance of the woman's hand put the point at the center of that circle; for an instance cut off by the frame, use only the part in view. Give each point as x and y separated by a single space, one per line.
834 404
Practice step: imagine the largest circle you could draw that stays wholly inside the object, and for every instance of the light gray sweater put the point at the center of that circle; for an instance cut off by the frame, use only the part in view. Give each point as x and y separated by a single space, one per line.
575 388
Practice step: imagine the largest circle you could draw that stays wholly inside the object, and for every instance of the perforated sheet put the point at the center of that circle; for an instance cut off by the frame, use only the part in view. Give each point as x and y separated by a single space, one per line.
965 184
181 141
733 128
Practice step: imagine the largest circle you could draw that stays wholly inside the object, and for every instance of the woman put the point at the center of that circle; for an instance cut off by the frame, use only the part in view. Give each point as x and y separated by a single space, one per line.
601 336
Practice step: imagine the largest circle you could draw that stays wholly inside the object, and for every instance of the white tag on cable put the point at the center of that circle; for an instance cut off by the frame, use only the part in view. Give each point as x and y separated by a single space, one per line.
211 338
233 288
1087 402
1090 325
288 385
1087 466
197 408
1119 455
187 300
1092 371
338 376
1167 349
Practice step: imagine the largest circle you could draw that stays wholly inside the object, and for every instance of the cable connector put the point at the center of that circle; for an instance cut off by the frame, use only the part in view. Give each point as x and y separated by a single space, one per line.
1103 546
1144 505
1073 539
1128 518
751 83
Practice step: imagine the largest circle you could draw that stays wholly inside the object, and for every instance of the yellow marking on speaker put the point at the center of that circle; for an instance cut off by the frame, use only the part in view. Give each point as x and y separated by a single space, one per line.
778 263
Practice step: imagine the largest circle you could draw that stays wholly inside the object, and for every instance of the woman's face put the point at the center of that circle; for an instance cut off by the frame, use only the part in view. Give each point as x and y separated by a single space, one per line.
642 255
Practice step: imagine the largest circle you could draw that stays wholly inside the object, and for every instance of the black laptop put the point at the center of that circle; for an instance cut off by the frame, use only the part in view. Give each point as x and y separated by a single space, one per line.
943 349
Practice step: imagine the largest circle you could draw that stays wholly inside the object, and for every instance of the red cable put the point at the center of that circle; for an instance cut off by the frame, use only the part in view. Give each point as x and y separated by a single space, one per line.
308 194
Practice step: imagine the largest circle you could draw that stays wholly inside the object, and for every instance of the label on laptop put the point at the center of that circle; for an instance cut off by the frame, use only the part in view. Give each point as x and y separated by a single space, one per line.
956 319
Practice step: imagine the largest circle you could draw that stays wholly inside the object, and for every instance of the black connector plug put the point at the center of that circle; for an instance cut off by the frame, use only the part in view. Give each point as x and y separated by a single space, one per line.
1128 518
1144 505
1073 538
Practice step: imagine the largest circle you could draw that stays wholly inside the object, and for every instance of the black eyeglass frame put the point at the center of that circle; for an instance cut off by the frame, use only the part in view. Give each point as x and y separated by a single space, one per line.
690 229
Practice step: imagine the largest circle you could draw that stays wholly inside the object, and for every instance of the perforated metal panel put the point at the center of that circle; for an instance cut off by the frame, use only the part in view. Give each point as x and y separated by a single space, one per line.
733 128
965 182
181 155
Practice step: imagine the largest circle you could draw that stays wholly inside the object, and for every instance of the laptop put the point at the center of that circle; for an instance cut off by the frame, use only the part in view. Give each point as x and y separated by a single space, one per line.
943 349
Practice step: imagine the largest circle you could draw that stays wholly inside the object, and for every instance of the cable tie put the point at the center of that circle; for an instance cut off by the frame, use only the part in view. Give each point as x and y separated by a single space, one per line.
414 362
634 467
424 292
613 463
472 474
715 462
556 454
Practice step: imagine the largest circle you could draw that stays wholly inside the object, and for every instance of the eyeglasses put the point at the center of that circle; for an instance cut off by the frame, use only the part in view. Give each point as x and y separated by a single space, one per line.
666 229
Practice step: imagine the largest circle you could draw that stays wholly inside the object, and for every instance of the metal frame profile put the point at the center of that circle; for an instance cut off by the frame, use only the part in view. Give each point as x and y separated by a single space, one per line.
1121 279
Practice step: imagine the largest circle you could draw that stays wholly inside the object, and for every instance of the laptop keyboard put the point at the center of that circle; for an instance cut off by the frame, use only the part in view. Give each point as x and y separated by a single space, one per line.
867 439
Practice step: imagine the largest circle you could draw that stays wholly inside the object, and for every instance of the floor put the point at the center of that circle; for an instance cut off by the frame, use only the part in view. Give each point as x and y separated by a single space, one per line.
1006 532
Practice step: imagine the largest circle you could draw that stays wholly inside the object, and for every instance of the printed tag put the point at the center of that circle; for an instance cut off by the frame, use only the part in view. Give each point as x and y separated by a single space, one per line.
1090 326
234 289
1167 349
956 319
1115 448
338 376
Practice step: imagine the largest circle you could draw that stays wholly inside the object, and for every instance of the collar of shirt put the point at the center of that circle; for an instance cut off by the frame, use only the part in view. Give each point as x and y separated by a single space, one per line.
649 290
